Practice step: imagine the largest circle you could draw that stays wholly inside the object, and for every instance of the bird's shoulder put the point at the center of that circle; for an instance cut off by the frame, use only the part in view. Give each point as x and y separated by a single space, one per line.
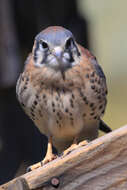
90 59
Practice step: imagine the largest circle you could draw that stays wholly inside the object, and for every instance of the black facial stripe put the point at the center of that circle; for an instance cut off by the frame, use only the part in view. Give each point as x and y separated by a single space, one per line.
44 57
35 51
71 57
76 50
78 53
73 52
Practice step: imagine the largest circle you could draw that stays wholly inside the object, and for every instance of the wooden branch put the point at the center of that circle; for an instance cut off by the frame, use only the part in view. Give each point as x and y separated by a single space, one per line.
100 165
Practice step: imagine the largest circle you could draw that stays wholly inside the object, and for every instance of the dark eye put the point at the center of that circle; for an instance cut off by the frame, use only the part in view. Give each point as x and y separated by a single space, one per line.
69 43
44 44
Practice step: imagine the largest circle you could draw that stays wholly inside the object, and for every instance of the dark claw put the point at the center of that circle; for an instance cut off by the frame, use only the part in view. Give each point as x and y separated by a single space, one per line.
41 163
28 169
61 154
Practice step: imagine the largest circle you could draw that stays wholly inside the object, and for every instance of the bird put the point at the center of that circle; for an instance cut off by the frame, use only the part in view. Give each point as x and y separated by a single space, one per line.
63 90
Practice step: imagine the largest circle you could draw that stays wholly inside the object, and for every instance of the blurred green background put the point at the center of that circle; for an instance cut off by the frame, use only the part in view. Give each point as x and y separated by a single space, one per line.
107 28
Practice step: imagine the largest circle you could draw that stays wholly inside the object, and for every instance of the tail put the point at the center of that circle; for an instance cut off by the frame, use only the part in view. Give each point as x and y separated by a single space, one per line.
104 127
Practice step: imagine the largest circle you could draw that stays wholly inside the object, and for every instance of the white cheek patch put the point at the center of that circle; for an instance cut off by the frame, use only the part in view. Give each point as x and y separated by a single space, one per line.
40 47
76 60
40 56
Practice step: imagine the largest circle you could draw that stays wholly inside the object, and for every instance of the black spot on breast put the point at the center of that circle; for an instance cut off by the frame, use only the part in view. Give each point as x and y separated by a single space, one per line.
26 83
93 87
73 96
92 74
92 80
85 100
53 110
25 87
91 104
35 102
100 107
59 125
95 117
22 78
44 96
27 79
32 114
32 110
103 112
71 84
37 96
33 106
53 105
71 103
81 93
99 97
92 113
33 118
59 116
99 81
66 110
72 121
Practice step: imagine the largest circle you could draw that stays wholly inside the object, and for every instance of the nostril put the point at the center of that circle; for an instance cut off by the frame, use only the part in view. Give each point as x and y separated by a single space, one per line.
57 52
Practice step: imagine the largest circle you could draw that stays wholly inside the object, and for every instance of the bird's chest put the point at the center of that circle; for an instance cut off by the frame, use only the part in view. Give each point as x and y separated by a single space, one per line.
61 112
57 112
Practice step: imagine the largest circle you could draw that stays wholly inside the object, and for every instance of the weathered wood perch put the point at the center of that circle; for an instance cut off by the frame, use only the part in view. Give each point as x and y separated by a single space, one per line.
101 165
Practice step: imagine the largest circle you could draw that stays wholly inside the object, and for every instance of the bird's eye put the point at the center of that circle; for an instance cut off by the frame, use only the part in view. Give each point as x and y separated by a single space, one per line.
44 44
69 43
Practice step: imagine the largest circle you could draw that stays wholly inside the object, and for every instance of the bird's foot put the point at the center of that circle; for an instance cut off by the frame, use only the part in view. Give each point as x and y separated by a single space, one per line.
48 158
73 147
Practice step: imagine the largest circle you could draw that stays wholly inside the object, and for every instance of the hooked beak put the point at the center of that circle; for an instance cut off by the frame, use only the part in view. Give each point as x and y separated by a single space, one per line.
57 52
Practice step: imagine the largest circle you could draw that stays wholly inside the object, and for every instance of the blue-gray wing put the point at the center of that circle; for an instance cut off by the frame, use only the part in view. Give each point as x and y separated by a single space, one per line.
94 62
97 67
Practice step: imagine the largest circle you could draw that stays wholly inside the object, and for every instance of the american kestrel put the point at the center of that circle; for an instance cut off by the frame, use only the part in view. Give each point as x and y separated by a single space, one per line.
63 90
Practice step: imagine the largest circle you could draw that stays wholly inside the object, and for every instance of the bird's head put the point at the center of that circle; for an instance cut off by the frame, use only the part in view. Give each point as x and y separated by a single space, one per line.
55 47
